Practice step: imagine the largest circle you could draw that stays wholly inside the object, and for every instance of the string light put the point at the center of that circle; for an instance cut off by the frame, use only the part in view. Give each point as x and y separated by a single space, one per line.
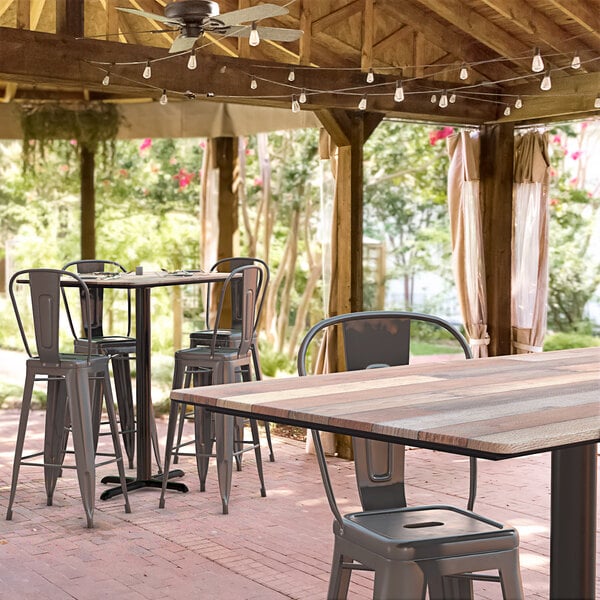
399 93
546 82
597 101
537 64
295 105
370 76
464 72
254 39
147 71
443 100
519 102
433 99
189 95
576 62
452 98
292 75
253 84
106 80
507 111
163 99
302 97
362 105
192 62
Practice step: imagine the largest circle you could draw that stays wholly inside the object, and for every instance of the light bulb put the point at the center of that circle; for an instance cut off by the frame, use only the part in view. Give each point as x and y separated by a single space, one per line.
507 111
597 101
163 99
253 84
537 64
399 93
464 72
576 62
452 98
254 39
546 82
302 97
192 62
295 105
189 95
292 75
433 98
106 80
147 71
519 102
362 105
370 76
443 100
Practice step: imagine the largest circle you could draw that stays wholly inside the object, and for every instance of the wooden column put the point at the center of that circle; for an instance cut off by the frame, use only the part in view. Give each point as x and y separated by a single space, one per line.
349 131
224 156
497 149
88 203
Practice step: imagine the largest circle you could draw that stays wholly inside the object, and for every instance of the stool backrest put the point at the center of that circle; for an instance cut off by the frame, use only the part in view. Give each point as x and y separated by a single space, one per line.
374 339
46 297
92 322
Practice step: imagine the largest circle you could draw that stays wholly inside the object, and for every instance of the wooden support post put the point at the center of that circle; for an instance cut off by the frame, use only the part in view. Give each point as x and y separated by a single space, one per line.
497 150
225 156
88 203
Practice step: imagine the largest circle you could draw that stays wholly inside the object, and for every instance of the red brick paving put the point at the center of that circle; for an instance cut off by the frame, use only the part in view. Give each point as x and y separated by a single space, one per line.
265 549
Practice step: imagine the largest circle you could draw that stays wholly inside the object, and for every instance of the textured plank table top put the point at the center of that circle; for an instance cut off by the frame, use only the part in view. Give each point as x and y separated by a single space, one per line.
493 408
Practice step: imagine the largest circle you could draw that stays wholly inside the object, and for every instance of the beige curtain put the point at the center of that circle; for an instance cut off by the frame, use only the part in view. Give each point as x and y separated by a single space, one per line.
530 242
466 232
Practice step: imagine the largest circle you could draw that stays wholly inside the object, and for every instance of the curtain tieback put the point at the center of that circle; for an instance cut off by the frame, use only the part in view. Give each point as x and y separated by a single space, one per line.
527 347
480 342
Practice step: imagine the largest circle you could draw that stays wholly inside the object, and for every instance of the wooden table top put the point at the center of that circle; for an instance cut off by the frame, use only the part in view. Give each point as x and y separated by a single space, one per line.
492 407
152 279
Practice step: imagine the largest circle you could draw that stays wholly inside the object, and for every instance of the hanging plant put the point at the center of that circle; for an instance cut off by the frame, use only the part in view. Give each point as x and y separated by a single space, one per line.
93 126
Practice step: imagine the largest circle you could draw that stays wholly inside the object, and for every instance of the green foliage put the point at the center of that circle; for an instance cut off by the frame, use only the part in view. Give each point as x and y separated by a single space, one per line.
563 341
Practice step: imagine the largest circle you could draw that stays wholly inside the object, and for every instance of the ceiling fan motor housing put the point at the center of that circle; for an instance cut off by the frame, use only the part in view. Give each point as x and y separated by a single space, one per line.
191 11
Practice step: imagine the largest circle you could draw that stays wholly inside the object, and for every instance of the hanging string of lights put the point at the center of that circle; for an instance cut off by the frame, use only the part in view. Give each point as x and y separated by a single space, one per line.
442 95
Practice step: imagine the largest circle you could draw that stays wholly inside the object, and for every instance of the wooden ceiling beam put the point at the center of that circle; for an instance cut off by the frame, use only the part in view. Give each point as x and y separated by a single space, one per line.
437 33
23 14
337 16
305 55
69 18
368 28
585 12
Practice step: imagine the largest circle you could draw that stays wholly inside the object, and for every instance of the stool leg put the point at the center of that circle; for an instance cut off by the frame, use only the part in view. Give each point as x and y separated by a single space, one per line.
55 434
395 580
339 579
258 377
224 437
203 431
114 430
175 407
154 436
25 406
78 393
258 455
122 377
510 576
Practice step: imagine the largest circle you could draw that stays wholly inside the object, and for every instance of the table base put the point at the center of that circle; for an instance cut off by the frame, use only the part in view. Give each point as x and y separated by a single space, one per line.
136 484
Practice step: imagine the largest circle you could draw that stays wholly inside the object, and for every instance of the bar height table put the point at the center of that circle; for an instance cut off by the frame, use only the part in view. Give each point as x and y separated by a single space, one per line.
493 408
143 285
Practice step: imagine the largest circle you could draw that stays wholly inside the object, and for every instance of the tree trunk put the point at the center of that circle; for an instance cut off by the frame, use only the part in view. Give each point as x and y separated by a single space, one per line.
88 203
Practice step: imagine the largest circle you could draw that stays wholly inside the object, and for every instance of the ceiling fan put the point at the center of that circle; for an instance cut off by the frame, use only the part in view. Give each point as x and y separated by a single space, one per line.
195 17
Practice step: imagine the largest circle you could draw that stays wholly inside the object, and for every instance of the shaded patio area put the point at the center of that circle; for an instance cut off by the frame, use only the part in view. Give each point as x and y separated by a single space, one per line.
266 548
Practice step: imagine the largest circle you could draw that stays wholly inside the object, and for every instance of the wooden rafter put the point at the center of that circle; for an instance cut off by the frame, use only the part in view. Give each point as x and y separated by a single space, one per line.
585 12
337 16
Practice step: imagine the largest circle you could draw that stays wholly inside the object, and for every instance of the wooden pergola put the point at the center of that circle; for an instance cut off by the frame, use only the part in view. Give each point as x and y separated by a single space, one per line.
476 54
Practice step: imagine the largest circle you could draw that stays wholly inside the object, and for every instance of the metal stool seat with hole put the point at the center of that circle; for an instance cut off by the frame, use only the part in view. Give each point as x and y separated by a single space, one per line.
229 336
212 365
120 349
412 550
71 378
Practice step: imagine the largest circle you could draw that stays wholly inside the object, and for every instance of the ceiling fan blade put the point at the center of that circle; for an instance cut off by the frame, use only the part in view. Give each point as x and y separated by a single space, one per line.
149 15
253 13
276 34
182 44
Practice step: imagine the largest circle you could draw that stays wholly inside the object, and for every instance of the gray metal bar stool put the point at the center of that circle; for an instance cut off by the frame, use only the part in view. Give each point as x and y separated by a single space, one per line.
70 378
215 364
120 349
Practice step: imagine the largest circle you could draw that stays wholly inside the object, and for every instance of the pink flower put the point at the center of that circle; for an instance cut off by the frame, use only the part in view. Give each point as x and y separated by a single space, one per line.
554 202
123 172
573 181
576 155
440 134
63 168
258 181
249 152
202 144
556 140
184 178
147 143
73 142
553 173
173 161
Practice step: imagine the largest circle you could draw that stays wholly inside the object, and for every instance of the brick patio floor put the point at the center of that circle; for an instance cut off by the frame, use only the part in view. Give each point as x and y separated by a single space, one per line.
266 548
